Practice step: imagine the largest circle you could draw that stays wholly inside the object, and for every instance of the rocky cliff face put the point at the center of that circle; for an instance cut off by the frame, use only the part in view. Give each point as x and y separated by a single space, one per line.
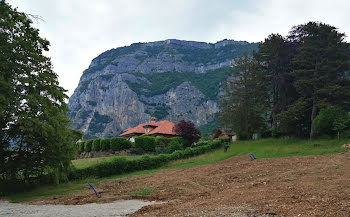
170 79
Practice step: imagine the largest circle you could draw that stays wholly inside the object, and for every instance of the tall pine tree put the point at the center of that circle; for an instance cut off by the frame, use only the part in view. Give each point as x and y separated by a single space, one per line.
275 57
245 99
319 66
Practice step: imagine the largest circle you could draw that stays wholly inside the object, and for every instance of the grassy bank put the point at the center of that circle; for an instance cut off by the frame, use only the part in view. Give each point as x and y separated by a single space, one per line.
87 162
265 148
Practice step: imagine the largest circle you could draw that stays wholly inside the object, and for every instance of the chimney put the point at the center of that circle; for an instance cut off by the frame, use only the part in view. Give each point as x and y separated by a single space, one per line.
153 119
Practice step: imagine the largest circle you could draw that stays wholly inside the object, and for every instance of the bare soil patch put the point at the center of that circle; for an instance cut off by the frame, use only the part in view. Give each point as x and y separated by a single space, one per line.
292 186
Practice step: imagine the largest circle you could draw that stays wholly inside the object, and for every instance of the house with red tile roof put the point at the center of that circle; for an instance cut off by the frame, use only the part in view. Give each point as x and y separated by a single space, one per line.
153 128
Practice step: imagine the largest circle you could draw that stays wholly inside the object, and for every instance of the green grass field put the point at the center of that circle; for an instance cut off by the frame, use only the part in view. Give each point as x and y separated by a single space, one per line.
264 148
83 163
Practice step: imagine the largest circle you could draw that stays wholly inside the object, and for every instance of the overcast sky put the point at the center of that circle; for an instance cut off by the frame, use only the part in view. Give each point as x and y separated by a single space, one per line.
79 30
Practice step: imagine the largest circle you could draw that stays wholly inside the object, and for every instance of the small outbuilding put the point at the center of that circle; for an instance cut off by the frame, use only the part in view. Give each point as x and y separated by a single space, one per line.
225 133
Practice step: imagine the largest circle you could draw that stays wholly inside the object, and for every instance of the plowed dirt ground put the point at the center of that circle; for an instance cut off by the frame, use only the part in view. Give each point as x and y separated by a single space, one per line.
292 186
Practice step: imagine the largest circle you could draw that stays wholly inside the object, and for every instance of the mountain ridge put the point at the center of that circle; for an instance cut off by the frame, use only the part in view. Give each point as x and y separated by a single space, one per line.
171 79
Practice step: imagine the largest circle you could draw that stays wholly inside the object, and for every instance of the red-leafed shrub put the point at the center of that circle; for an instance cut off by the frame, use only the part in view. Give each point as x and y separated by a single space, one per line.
188 131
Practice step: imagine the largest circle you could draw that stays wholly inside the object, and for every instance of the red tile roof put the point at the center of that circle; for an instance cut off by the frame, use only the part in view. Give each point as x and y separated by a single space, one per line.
161 127
164 127
136 130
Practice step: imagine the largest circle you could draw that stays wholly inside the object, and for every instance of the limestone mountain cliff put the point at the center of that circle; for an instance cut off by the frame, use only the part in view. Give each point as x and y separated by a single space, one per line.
169 79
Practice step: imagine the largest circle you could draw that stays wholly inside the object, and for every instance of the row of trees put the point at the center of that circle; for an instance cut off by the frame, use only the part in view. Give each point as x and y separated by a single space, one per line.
34 138
285 84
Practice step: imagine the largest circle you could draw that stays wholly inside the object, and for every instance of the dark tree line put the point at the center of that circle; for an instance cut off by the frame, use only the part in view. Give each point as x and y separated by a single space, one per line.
284 85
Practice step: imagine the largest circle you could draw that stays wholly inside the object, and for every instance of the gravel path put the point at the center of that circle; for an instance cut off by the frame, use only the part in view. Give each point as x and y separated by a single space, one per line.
118 208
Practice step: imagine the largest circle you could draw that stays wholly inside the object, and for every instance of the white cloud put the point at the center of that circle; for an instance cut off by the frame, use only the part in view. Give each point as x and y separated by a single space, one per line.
79 30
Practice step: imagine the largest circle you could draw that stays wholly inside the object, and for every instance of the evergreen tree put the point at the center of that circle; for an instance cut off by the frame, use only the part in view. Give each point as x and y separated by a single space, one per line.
319 66
275 57
245 99
34 136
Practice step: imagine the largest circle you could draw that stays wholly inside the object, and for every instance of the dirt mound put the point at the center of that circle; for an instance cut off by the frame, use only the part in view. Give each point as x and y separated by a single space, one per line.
346 146
239 186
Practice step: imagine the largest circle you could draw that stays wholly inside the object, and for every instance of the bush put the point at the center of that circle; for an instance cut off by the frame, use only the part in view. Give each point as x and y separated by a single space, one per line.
161 144
225 140
331 120
88 145
345 134
137 151
176 143
147 143
188 131
161 150
119 143
81 146
96 145
200 143
105 144
219 142
161 141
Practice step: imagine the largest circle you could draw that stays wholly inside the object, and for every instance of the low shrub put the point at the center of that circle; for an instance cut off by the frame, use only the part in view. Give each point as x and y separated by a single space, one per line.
81 146
332 121
216 143
147 143
123 165
161 150
225 140
200 143
161 141
161 144
96 145
88 145
126 144
345 134
119 143
105 144
176 143
137 151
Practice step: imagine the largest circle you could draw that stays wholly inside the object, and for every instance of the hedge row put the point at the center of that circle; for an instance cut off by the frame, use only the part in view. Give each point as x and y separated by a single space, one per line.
115 144
176 143
123 165
159 144
146 143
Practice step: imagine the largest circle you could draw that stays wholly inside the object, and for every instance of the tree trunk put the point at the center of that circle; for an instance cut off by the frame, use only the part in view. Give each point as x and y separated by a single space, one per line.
313 116
274 110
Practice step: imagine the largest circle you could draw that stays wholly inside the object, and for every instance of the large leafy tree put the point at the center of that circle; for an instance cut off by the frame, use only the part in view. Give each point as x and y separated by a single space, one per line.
319 72
34 137
245 99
